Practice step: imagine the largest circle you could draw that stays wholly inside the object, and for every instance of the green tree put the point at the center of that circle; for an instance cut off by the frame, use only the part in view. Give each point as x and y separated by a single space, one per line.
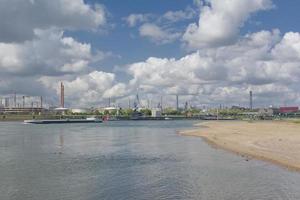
146 112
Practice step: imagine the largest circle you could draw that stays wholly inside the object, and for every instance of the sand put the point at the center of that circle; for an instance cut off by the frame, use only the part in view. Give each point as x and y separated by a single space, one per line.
274 141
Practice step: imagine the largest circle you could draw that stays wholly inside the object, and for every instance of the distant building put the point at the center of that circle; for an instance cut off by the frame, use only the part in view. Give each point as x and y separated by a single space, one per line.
156 112
79 110
12 110
285 110
108 110
112 110
61 110
238 108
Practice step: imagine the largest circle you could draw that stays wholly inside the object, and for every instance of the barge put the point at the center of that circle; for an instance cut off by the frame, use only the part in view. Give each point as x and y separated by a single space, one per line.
63 121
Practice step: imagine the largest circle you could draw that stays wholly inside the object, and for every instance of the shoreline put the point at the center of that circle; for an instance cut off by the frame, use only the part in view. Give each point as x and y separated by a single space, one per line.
277 142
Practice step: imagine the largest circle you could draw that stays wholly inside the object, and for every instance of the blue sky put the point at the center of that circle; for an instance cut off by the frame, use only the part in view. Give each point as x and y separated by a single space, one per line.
124 42
210 52
284 17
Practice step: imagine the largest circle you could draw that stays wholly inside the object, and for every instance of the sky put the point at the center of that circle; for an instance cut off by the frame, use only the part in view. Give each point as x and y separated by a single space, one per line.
209 52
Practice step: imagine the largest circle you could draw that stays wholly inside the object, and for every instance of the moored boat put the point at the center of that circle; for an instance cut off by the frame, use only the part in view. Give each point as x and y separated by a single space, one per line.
63 121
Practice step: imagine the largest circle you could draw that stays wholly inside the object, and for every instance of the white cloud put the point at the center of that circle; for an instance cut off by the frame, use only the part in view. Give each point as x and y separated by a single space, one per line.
87 89
35 56
169 17
50 53
9 57
179 15
226 74
289 48
19 19
133 19
157 34
160 29
220 21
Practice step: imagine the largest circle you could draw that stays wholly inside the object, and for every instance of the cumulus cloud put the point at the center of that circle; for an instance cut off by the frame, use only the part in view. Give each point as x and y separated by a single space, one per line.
220 21
161 29
133 19
19 19
158 34
170 16
50 53
87 89
226 74
179 15
35 56
36 67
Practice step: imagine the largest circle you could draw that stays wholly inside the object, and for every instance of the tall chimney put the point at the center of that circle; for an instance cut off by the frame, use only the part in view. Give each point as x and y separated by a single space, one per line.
177 103
23 97
15 99
251 100
161 103
62 95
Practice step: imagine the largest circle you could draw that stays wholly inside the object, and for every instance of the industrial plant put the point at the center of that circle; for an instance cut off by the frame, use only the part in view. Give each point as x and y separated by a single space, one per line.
18 105
15 104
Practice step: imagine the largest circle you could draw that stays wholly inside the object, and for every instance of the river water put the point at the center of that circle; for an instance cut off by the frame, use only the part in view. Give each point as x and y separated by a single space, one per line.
130 160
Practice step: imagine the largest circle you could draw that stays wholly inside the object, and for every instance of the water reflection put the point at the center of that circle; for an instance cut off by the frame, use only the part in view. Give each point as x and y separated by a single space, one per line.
61 143
130 160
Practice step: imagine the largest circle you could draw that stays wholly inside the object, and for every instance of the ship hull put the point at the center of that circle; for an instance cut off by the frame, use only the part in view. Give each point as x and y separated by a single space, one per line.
62 121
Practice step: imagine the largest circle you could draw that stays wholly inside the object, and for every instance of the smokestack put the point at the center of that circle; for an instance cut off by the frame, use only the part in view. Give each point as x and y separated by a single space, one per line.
161 103
15 99
23 101
62 95
41 102
177 103
251 100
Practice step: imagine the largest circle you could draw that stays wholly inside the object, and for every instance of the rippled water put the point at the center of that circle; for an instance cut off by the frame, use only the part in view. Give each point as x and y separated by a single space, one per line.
129 160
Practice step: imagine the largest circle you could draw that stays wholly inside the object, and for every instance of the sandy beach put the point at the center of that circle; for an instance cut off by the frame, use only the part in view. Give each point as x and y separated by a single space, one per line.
274 141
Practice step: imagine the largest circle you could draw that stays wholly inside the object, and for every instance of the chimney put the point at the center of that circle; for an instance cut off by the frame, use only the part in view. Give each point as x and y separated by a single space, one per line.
177 103
62 95
251 100
15 99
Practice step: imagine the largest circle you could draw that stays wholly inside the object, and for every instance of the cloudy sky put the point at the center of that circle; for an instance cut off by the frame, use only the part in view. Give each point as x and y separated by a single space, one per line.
209 52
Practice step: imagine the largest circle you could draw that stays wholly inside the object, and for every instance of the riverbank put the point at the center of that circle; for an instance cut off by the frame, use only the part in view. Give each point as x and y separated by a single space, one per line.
274 141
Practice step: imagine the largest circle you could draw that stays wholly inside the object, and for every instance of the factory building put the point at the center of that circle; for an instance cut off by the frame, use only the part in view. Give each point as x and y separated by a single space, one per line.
286 110
17 105
80 110
156 112
12 110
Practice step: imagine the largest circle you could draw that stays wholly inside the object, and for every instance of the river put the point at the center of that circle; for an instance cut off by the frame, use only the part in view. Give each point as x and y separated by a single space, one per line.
130 160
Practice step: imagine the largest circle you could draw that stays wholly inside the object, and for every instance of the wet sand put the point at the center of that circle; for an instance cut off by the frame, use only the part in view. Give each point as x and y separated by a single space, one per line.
274 141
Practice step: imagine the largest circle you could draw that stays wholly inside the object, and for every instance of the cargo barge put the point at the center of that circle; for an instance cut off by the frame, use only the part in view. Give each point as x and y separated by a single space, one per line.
63 121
